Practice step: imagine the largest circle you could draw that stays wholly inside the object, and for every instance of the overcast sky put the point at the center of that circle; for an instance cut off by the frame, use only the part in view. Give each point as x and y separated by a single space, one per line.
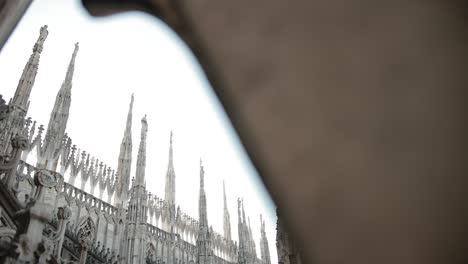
136 53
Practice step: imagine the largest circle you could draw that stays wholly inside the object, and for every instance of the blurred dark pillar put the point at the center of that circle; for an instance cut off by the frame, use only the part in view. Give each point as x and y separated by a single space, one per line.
11 12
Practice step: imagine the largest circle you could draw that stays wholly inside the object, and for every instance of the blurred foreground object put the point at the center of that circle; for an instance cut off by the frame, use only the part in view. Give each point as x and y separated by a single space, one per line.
11 12
353 113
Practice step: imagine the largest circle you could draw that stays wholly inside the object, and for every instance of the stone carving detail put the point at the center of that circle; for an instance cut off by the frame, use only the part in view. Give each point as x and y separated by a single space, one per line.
19 142
3 108
9 163
86 233
45 178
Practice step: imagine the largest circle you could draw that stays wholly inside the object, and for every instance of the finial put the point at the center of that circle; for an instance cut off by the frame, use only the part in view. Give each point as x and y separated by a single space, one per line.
43 33
171 138
77 47
202 175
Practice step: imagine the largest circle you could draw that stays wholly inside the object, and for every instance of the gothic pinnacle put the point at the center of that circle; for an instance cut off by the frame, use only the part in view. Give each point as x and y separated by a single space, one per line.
125 160
58 120
26 82
170 187
202 176
71 67
141 158
202 199
226 217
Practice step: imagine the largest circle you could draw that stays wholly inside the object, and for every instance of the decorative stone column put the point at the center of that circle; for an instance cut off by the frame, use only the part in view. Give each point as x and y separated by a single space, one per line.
9 164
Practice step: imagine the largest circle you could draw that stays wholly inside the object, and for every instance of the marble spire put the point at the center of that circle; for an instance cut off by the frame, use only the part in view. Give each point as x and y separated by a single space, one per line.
204 250
264 248
58 119
19 104
26 82
125 161
170 188
241 258
203 219
226 217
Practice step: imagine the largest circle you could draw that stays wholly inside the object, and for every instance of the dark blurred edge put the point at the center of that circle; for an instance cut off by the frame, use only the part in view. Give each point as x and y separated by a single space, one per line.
10 14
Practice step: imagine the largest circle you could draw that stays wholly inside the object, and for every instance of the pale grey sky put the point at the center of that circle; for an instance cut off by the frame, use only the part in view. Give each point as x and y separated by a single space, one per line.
136 53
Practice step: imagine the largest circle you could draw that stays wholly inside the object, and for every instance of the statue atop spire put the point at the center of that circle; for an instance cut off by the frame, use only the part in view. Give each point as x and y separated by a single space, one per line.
202 177
141 159
205 252
43 33
19 104
26 82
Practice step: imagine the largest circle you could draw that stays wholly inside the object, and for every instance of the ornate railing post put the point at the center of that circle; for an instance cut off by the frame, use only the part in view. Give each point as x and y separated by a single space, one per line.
9 163
56 237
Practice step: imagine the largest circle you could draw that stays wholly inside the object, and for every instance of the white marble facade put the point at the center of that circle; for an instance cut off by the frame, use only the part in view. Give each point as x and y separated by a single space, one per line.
116 219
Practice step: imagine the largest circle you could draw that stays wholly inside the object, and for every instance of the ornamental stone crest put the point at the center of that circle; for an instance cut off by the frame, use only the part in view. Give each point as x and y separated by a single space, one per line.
45 178
86 233
19 142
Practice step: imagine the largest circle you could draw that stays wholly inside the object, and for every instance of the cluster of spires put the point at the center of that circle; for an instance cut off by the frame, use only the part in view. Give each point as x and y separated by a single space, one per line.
55 133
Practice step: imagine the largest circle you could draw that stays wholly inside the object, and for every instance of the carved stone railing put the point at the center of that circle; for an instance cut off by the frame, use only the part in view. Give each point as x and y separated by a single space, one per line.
92 201
188 247
71 160
227 247
25 172
158 208
220 260
157 232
